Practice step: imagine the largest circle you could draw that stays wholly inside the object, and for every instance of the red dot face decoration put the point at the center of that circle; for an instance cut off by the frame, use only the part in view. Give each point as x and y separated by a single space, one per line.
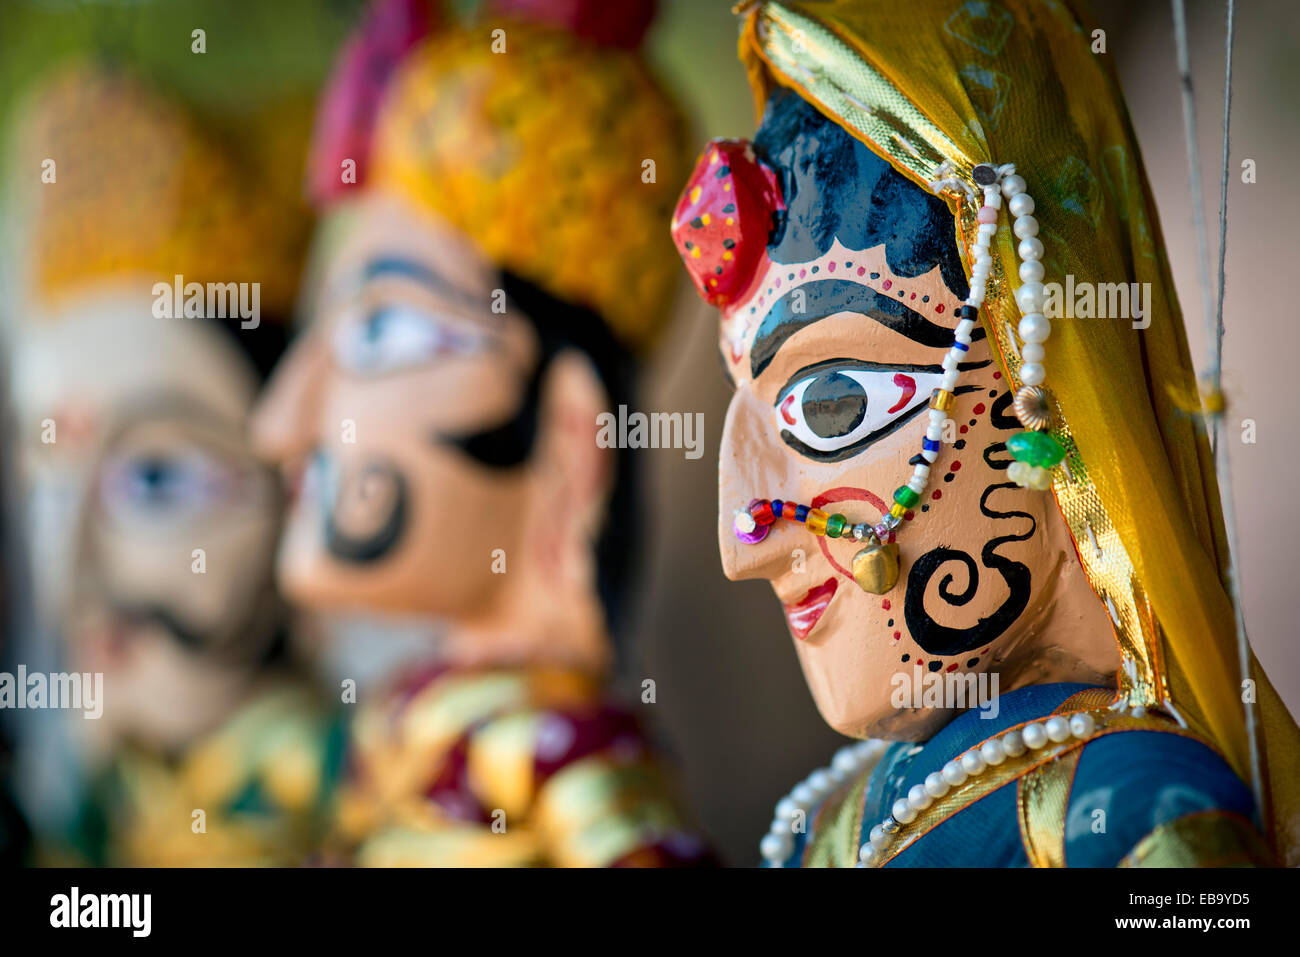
724 218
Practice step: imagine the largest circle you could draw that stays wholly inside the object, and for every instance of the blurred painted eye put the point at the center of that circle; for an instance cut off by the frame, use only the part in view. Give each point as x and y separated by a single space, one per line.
397 337
163 484
837 411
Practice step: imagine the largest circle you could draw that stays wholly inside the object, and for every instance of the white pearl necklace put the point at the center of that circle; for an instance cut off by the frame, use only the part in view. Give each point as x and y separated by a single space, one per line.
965 768
851 761
1034 328
793 810
1031 403
1030 297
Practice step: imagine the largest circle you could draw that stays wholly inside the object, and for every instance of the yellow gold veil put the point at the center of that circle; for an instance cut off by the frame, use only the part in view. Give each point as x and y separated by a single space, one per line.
936 87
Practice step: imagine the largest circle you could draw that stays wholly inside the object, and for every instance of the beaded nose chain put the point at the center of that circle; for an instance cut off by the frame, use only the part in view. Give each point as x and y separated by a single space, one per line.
1035 451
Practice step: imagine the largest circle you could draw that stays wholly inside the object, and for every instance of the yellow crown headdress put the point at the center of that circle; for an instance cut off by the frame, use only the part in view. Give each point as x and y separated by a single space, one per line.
559 156
117 179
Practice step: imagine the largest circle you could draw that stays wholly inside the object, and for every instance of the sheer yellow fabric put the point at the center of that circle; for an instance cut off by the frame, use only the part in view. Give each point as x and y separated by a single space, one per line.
938 86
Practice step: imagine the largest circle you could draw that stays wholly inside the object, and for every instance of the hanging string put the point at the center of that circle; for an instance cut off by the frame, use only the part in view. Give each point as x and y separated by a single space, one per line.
1214 341
1194 169
1217 354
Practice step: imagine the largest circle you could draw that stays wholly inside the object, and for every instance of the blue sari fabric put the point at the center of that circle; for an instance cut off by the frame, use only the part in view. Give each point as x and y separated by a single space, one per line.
1126 785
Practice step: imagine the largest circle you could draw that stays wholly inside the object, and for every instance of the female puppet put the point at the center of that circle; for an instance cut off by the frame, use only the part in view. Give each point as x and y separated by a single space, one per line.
492 260
152 524
996 539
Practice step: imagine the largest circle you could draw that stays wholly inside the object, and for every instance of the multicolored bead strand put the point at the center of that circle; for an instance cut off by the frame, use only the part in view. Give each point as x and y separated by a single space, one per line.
754 522
875 567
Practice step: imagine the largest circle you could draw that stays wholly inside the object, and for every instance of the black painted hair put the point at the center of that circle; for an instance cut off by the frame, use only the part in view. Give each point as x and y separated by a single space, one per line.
262 345
560 326
837 188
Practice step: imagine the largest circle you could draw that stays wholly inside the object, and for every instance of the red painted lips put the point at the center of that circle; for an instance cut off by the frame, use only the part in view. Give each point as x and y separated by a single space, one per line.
804 614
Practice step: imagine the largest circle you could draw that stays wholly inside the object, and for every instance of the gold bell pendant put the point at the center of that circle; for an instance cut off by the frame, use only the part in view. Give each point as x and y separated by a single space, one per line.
875 568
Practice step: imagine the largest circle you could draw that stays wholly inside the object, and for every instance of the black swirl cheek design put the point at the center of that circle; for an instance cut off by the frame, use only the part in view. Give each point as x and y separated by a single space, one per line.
937 639
1001 418
941 640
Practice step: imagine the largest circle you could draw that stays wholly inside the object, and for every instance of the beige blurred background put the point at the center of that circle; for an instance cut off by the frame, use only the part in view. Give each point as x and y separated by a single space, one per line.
731 700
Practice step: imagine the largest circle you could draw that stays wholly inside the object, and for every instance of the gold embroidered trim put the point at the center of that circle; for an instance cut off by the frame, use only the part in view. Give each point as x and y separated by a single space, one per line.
1205 839
975 789
834 840
1043 794
809 56
596 809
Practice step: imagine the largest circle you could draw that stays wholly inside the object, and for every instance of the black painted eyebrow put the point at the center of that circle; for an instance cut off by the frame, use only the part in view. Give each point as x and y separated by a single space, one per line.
394 265
827 297
863 365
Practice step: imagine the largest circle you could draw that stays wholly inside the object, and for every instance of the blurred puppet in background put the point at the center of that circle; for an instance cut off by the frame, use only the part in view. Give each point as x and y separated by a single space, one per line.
157 256
1017 555
491 264
15 834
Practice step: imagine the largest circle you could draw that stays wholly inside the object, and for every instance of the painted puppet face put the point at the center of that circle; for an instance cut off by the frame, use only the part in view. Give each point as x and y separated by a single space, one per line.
834 350
149 519
384 414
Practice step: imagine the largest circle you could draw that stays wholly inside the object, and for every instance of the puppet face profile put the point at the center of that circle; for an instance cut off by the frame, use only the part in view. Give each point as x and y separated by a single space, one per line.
416 431
151 521
834 348
404 357
438 421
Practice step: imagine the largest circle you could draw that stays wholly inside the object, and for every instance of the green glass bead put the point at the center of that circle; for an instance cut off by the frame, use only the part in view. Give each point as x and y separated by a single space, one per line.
835 525
1036 448
905 497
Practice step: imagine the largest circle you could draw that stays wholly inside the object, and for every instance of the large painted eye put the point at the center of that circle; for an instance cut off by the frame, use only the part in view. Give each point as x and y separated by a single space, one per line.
163 485
836 411
396 337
